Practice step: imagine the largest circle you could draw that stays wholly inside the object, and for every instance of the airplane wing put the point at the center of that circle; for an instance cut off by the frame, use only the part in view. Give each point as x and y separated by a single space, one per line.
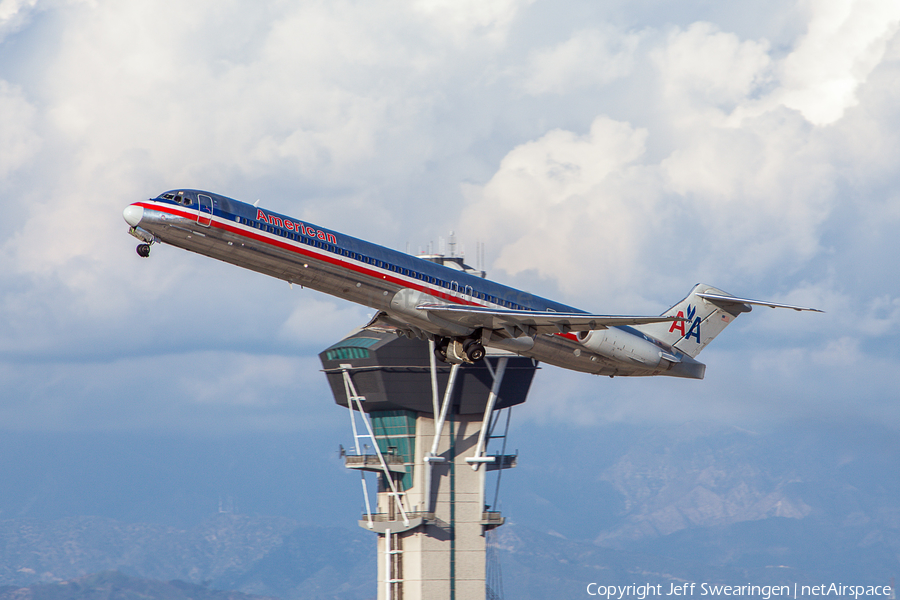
530 322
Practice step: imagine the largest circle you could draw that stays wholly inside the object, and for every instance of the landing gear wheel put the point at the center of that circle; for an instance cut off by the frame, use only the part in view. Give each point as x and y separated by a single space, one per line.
440 349
143 250
474 351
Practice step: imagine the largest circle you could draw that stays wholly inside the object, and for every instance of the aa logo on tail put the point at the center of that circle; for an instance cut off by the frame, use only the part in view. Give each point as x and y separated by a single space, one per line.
694 331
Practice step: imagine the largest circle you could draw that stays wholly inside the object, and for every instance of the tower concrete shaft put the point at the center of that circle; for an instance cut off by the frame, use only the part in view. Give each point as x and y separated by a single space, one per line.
444 556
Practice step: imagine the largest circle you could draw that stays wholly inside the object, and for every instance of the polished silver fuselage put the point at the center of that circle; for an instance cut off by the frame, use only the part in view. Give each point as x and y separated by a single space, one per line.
391 282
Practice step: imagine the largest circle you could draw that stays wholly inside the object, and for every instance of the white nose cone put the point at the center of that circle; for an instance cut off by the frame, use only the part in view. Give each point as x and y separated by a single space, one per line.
133 214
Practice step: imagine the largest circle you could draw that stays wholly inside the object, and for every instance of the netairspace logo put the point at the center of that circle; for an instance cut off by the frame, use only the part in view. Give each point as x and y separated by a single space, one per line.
643 591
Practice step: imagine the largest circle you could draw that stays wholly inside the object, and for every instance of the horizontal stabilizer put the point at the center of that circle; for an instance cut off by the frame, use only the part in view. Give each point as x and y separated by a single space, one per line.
725 299
531 322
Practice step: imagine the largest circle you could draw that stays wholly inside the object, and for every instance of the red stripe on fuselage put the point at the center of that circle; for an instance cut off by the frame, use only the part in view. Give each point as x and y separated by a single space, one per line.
296 247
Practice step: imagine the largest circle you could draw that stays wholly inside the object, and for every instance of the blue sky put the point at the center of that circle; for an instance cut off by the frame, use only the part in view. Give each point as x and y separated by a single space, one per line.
608 155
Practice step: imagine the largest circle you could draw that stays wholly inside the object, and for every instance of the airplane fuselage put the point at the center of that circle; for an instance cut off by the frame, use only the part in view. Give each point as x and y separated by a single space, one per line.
391 282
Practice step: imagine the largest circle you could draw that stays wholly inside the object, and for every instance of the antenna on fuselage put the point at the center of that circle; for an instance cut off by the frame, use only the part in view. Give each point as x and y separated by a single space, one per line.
456 258
256 204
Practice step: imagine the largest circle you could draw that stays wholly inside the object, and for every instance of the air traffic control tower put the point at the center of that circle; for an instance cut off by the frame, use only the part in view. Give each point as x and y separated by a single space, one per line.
424 427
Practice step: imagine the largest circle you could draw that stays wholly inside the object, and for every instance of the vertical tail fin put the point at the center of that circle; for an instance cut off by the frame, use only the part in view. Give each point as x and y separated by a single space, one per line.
706 318
708 311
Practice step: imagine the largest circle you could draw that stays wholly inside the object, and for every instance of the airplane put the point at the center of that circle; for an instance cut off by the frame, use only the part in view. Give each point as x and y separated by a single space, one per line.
463 313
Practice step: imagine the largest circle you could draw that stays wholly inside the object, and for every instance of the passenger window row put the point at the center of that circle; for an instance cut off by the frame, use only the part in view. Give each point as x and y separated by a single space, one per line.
371 261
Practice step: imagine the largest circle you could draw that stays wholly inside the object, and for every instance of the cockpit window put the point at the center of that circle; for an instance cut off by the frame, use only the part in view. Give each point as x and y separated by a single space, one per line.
179 197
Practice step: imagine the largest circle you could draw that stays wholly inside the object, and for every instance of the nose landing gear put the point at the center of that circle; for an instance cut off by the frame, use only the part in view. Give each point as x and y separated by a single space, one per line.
143 250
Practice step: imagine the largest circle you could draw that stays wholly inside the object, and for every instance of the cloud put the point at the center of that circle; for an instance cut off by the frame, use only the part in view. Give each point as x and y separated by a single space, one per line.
725 189
751 198
565 191
760 193
703 69
610 166
14 14
222 92
19 141
727 175
589 57
320 319
460 20
184 391
845 41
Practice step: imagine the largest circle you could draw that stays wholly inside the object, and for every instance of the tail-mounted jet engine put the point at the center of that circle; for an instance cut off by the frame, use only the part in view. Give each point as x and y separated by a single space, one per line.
623 346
